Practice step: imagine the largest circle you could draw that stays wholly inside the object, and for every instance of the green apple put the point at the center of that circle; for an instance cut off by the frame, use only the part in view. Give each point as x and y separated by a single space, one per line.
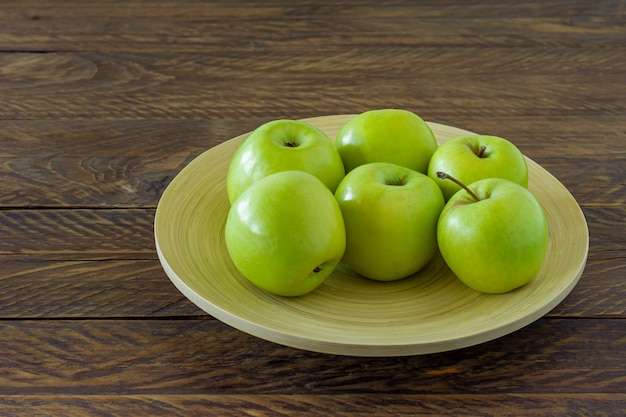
285 233
390 214
386 135
494 235
283 145
475 157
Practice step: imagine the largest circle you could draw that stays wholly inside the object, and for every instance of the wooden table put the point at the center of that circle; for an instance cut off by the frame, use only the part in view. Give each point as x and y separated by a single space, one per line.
103 103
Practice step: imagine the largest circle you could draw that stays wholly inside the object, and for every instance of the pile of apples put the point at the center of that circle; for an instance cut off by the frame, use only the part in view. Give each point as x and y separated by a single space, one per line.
382 198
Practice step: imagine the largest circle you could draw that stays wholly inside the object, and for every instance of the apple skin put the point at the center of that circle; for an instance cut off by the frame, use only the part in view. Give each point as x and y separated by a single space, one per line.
285 233
459 158
386 135
283 145
390 214
497 244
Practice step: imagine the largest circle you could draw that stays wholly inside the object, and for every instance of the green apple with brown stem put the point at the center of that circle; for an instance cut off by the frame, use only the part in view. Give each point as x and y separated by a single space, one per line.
474 157
283 145
285 233
493 234
390 213
395 136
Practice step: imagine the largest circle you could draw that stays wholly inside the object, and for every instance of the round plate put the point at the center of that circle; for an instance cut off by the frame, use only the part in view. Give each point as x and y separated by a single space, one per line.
431 311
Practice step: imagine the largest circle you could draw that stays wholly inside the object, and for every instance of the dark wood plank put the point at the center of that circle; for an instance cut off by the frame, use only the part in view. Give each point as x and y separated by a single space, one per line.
83 234
78 234
89 289
257 10
538 137
95 163
600 292
92 289
149 357
32 288
435 82
131 25
606 231
129 163
397 405
601 184
72 263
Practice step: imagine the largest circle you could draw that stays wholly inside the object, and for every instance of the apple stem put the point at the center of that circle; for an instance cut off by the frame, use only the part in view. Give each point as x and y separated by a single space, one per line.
398 181
445 176
481 151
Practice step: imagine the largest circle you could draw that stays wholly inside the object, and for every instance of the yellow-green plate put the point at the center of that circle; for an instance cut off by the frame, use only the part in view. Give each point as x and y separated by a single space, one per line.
431 311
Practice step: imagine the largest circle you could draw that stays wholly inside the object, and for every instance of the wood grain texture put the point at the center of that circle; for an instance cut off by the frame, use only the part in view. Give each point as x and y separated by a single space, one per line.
343 405
127 234
133 357
78 234
501 82
607 243
89 289
94 163
71 25
31 288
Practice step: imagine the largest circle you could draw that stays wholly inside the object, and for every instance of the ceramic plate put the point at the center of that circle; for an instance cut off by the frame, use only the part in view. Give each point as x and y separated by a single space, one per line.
431 311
